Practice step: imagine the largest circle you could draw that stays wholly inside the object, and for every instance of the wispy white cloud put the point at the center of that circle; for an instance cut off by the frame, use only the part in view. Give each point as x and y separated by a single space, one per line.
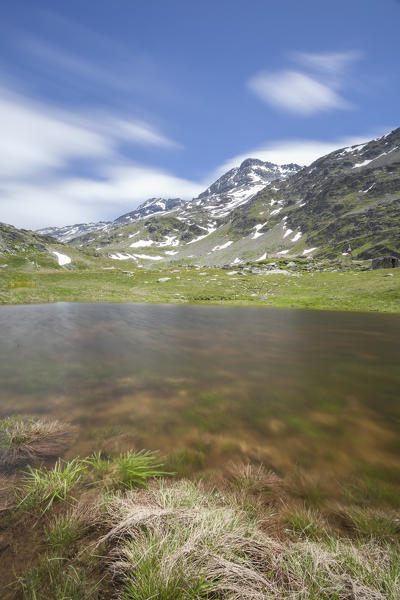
135 131
327 62
36 137
300 151
67 62
75 200
295 92
313 89
38 147
102 66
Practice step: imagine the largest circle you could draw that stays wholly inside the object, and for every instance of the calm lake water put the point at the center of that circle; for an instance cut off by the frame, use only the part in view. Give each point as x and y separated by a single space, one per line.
291 388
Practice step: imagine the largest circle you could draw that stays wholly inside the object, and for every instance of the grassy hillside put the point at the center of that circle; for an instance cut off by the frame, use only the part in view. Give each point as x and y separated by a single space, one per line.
28 251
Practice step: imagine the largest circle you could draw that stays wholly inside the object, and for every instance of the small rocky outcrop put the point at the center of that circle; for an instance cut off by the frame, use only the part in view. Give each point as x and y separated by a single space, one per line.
385 262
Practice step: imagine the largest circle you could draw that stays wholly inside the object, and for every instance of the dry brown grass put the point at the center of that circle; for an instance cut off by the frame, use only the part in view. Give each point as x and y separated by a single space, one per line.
256 479
180 541
24 440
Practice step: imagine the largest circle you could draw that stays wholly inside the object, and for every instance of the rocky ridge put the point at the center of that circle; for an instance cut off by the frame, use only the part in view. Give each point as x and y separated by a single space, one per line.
229 191
260 211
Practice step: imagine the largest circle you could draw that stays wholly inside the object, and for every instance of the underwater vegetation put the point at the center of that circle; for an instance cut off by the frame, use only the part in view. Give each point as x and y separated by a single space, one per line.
120 525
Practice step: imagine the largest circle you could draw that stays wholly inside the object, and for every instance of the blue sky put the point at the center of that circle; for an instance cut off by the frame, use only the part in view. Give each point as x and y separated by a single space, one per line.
105 103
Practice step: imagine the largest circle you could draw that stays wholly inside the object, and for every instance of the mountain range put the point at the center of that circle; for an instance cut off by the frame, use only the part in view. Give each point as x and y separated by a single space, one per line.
260 210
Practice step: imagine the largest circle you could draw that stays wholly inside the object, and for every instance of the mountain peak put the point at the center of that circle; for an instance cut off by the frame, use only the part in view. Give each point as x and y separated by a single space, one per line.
239 184
252 162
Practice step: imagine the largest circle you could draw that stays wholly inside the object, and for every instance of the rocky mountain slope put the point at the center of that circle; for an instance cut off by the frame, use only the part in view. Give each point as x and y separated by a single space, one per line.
350 197
150 207
70 232
30 251
181 224
240 183
229 191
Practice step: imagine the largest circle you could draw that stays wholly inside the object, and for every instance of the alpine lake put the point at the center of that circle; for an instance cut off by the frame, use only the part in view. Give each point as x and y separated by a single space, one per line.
312 395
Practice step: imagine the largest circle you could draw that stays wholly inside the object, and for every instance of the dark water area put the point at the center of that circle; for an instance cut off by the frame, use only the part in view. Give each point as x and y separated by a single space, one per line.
314 390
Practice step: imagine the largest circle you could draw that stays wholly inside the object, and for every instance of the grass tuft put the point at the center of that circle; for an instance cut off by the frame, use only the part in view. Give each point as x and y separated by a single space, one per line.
179 541
306 523
63 532
255 479
23 440
128 470
55 579
40 487
372 523
133 469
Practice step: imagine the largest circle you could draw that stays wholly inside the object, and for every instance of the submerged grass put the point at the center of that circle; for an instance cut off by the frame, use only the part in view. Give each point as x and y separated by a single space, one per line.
25 439
113 526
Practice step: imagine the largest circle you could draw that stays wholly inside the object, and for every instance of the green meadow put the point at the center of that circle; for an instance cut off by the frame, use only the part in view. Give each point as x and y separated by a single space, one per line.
355 290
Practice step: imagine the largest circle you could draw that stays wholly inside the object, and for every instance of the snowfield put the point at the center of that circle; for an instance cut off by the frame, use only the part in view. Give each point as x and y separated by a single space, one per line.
62 259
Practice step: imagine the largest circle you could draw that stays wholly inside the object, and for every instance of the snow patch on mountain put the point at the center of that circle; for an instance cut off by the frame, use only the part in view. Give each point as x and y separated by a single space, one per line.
222 246
62 259
121 256
148 257
257 233
142 244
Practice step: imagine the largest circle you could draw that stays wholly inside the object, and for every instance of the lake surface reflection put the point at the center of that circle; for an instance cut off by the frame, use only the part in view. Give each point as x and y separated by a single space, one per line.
291 388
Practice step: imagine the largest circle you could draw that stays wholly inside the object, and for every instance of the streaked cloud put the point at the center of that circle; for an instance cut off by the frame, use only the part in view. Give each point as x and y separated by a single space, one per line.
36 204
316 88
36 137
136 131
300 151
40 146
295 92
328 62
103 66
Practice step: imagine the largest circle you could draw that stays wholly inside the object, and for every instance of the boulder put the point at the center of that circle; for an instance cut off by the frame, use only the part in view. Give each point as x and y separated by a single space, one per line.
385 262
